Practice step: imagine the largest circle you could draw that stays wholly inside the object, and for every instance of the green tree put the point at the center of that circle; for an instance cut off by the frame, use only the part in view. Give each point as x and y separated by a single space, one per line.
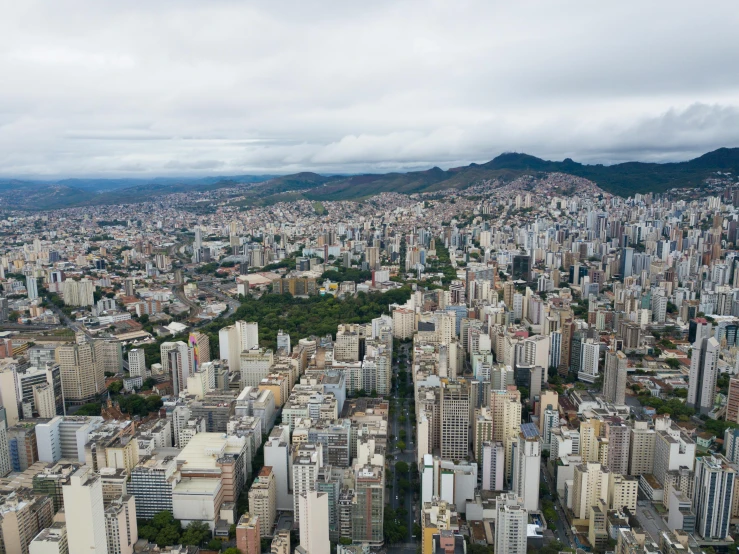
401 467
232 550
168 536
196 533
115 387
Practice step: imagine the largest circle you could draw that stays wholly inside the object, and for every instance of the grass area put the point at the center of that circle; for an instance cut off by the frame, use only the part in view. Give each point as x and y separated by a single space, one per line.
319 208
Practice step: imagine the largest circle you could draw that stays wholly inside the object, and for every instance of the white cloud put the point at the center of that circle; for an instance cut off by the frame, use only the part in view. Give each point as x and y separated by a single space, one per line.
167 87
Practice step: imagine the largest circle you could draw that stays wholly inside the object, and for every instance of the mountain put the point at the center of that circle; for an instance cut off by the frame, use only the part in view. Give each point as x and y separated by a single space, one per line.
623 179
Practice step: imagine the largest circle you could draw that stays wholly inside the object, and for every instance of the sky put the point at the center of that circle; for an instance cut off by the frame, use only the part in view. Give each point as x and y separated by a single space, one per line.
217 87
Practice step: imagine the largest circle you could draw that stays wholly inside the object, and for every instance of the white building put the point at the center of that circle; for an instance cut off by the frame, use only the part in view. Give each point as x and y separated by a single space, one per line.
83 499
511 520
313 515
137 363
527 466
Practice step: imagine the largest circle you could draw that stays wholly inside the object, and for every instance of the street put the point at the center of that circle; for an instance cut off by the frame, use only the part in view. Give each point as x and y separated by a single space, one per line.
397 499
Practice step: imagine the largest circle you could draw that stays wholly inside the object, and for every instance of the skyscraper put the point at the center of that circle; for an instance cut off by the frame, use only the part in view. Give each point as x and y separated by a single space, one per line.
83 379
248 534
455 419
703 372
614 379
83 497
527 466
627 262
713 496
263 500
313 510
137 362
31 287
511 524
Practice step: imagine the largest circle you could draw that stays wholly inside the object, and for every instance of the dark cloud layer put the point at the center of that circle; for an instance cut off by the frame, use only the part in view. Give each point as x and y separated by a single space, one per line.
190 87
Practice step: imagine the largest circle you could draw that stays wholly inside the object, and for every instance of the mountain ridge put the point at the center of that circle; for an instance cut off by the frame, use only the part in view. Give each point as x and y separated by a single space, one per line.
624 179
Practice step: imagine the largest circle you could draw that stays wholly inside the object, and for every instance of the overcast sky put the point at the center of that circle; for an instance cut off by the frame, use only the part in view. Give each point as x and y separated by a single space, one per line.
141 88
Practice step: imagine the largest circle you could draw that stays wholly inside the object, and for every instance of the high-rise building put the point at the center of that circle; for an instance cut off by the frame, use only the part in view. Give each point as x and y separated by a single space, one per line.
703 373
641 449
713 496
255 365
277 456
493 466
109 355
511 519
403 323
22 517
617 433
368 508
673 449
313 514
120 525
263 500
199 345
527 466
78 293
152 483
346 347
137 362
52 540
589 354
307 459
614 379
32 287
5 466
627 262
83 379
590 486
455 419
436 516
248 534
83 497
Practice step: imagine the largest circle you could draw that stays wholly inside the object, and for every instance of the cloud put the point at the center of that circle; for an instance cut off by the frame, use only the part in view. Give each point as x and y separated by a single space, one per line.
187 87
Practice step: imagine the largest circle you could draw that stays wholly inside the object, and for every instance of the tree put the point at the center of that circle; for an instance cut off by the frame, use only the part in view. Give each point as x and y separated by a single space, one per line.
168 536
232 550
115 387
14 316
92 409
196 533
401 446
401 467
346 541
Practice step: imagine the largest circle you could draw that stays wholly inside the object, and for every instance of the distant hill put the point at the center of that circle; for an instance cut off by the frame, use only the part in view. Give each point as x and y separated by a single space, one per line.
624 179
